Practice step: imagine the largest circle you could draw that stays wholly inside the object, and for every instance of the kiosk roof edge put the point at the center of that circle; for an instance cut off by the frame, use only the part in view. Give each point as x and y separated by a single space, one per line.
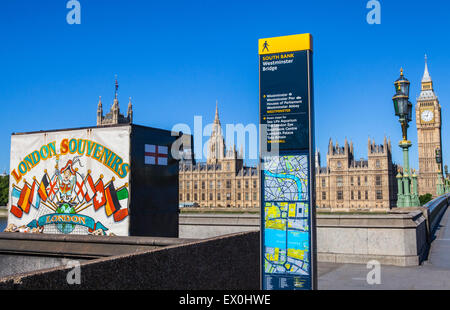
291 43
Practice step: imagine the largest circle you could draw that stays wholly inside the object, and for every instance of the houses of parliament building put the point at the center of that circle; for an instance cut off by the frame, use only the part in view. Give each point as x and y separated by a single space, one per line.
344 184
349 184
223 181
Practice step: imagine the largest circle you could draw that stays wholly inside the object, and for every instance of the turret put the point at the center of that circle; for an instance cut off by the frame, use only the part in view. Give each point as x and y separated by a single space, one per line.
330 147
130 112
114 116
99 111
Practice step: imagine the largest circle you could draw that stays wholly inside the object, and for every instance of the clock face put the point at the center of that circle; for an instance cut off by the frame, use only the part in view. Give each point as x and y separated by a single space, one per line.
427 115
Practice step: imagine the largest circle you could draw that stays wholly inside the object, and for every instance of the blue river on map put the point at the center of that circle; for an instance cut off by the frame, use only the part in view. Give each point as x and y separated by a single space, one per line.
298 240
288 176
275 238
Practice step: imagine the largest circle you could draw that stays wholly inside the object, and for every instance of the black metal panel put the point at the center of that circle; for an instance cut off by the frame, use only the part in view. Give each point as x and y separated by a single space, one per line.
154 188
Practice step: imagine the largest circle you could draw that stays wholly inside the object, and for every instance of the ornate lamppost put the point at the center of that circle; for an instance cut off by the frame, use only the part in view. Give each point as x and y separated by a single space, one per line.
407 196
447 180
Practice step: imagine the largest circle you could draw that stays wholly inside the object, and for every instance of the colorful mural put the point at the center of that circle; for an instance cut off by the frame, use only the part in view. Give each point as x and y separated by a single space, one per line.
72 182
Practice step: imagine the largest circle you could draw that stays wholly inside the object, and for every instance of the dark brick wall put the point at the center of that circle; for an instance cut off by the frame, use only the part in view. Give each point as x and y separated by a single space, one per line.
225 263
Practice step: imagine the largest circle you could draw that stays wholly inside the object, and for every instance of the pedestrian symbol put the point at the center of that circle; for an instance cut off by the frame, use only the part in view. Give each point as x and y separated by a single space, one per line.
265 46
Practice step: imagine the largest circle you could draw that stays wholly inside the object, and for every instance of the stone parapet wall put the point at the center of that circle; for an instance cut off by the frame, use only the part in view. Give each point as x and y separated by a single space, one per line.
227 263
391 239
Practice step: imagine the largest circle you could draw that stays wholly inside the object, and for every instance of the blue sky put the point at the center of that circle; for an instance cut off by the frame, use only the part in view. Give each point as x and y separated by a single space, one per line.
176 58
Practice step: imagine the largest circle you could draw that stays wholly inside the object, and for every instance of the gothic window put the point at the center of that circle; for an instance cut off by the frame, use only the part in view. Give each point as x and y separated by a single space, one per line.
339 182
188 197
218 196
228 196
246 183
195 185
238 196
195 197
378 180
324 195
211 196
351 181
203 196
203 184
181 197
228 184
339 165
359 195
254 196
340 195
238 184
188 185
377 163
351 195
254 183
379 195
323 182
246 196
367 195
359 181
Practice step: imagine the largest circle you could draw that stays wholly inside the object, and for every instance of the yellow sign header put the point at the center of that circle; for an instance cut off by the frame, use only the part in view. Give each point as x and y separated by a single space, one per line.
293 43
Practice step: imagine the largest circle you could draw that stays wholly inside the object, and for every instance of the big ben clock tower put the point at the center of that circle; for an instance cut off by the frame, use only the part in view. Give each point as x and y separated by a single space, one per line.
428 120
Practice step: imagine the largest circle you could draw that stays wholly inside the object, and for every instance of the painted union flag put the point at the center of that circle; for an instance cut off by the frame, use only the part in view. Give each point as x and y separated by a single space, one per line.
156 155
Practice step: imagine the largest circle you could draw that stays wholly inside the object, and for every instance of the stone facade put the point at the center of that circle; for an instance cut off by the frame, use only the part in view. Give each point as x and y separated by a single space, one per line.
428 121
346 184
223 181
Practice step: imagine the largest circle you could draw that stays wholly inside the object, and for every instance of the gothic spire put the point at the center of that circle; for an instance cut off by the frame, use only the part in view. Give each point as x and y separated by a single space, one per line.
115 106
427 92
116 87
426 75
216 118
216 144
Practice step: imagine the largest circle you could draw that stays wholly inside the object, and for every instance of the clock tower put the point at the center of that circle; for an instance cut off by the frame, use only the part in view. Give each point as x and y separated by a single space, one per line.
428 121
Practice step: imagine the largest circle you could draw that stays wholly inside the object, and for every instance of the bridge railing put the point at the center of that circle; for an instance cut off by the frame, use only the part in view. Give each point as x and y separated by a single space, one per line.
436 209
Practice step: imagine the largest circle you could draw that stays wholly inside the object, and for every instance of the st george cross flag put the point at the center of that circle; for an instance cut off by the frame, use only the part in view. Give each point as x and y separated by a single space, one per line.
156 155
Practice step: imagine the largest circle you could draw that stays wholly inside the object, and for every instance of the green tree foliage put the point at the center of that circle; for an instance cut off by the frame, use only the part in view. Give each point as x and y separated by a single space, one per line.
4 190
425 198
